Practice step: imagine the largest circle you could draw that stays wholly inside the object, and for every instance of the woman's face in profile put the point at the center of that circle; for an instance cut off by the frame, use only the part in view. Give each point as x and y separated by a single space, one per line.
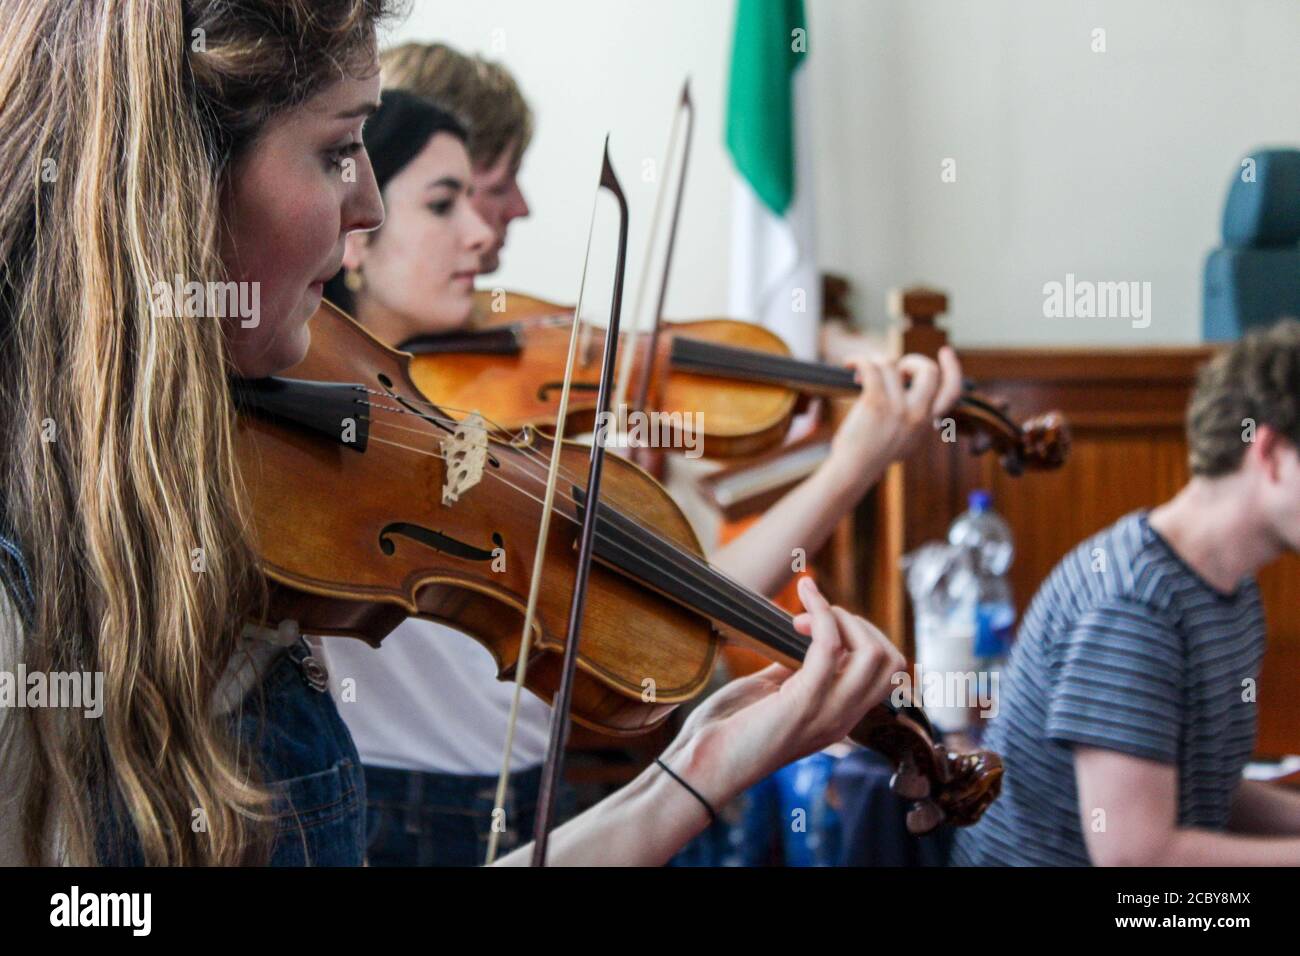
421 264
289 203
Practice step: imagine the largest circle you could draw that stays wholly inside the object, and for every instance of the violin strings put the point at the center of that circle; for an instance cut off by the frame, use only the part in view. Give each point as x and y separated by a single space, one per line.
689 564
534 456
692 572
757 362
739 591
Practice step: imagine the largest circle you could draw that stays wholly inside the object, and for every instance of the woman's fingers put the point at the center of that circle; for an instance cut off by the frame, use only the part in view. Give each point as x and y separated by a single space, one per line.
891 377
950 381
869 378
880 658
923 386
822 658
864 680
848 667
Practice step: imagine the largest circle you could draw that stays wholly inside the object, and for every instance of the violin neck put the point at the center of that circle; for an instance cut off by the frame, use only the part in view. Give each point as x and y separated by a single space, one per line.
694 583
690 581
808 378
728 361
503 340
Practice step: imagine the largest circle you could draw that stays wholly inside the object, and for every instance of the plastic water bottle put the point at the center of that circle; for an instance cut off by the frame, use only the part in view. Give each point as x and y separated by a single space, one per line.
941 582
987 536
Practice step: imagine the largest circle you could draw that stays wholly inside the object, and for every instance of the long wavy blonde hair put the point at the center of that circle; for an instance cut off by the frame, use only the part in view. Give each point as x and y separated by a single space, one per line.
119 120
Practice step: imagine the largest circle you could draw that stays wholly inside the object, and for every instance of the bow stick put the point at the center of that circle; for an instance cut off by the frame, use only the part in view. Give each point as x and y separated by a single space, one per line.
560 717
686 109
559 731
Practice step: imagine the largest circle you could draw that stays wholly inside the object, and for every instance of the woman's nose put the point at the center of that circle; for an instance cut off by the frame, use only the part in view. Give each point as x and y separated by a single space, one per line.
480 235
364 205
517 208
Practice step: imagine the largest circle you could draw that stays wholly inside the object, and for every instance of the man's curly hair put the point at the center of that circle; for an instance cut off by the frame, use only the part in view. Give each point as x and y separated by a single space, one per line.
1255 382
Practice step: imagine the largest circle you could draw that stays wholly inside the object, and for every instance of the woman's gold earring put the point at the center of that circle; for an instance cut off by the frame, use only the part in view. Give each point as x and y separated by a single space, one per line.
354 280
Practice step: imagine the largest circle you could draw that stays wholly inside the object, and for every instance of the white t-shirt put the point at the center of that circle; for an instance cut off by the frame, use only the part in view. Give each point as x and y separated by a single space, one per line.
428 699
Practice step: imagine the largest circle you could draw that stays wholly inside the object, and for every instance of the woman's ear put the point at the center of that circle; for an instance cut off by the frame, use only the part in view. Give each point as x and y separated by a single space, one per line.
355 247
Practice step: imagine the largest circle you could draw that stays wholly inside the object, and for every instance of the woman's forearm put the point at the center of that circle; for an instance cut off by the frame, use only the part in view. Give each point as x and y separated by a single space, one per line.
643 824
762 558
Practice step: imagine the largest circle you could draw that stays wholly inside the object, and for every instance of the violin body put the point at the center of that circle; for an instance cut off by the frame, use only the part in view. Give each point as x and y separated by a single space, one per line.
513 390
396 550
365 517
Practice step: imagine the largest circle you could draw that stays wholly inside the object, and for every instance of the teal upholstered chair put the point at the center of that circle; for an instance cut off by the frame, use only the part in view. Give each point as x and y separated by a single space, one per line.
1254 278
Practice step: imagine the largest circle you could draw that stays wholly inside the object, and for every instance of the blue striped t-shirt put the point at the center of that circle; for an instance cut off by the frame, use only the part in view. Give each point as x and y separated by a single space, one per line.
1124 648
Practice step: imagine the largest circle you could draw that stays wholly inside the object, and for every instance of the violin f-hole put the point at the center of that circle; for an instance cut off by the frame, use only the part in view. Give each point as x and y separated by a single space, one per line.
435 540
544 390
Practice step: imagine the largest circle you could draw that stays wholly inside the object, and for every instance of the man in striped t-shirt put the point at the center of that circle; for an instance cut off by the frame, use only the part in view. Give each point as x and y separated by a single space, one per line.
1129 703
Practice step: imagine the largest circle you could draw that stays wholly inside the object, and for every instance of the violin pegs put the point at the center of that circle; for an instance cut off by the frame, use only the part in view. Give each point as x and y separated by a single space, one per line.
923 817
909 783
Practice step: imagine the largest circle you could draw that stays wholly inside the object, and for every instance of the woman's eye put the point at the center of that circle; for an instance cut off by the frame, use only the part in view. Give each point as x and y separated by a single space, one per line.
442 207
337 156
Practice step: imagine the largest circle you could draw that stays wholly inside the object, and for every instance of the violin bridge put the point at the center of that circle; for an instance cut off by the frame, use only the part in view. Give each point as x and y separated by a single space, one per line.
465 453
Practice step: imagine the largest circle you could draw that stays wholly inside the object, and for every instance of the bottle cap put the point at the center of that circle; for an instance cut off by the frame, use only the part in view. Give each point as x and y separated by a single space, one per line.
980 500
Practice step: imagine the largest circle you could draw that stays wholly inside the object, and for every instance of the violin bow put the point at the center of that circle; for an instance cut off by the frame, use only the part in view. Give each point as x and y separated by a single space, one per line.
559 731
685 113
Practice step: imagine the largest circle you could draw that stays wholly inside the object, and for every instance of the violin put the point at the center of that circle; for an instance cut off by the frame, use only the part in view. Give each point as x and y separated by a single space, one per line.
371 504
738 377
512 374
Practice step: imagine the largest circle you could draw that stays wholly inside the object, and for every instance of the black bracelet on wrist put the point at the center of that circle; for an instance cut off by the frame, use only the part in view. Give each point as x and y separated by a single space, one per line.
713 817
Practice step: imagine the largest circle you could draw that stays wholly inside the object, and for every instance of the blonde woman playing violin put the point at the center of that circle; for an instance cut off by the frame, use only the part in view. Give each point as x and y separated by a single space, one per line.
125 548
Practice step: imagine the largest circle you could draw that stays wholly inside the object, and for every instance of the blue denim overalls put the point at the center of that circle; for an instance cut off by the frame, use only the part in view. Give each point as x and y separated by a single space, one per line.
306 755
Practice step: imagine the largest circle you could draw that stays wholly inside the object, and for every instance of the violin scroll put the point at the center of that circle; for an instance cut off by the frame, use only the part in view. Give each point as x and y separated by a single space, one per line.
1044 442
944 787
1040 444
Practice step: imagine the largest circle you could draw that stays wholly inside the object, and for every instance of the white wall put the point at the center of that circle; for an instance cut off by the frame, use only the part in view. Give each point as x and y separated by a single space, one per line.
1112 166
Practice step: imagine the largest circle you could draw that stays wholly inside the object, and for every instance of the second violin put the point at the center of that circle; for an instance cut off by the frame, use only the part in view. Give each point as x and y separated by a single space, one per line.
736 379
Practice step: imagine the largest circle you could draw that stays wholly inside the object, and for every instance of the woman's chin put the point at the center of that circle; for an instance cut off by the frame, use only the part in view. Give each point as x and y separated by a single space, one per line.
294 348
459 309
281 353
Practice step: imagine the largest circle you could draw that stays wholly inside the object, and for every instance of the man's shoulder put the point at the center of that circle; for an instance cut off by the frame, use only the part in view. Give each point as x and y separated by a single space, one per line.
1126 575
1117 574
1118 564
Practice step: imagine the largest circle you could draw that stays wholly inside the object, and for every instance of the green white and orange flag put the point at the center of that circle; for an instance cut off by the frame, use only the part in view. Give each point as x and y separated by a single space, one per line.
774 275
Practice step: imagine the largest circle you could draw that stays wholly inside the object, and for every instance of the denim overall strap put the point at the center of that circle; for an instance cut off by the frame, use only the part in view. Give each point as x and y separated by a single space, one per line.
14 575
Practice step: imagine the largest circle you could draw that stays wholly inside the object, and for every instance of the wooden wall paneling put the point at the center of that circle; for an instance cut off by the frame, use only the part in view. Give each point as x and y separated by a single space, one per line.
1126 411
1279 680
